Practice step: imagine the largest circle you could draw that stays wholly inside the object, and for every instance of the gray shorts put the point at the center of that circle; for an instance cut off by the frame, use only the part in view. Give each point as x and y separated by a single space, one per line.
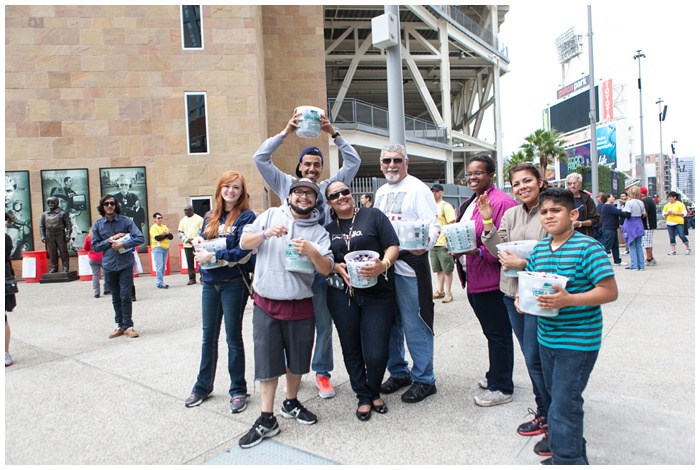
648 240
274 340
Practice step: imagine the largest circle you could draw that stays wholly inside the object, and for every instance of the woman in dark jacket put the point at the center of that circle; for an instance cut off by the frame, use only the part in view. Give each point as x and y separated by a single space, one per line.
588 216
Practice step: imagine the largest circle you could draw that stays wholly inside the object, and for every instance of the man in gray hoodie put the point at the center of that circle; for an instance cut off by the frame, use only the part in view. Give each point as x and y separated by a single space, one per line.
311 166
283 311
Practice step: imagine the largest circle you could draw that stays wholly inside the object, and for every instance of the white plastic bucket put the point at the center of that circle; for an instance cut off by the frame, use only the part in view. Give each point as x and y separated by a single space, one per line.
124 239
460 237
356 280
297 263
533 284
413 234
211 246
310 125
521 248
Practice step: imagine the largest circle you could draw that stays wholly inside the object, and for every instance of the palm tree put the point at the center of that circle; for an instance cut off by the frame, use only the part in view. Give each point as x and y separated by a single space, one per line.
514 159
545 144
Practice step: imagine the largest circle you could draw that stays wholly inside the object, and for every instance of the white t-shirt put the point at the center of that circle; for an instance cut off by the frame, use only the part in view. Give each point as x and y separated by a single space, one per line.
409 199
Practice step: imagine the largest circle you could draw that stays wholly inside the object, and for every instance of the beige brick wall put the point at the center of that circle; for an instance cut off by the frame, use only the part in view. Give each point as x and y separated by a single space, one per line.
100 86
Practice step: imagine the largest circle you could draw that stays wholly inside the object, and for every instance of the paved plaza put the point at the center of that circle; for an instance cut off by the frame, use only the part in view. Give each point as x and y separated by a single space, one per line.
74 396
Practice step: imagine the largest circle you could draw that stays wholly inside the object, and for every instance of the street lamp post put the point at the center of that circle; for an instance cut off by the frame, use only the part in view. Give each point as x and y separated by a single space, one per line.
639 56
662 117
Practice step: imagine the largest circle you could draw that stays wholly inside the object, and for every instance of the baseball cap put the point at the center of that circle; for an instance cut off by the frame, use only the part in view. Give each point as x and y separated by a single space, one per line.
304 183
437 187
644 190
309 151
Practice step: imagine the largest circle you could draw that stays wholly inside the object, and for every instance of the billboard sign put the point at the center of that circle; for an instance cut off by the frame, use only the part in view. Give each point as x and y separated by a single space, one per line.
607 100
573 87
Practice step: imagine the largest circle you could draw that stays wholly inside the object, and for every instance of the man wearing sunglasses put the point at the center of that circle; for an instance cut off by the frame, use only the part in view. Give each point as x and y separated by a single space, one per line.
405 197
311 166
117 260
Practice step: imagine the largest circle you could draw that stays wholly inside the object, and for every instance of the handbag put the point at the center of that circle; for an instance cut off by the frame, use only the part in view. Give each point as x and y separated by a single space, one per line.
11 286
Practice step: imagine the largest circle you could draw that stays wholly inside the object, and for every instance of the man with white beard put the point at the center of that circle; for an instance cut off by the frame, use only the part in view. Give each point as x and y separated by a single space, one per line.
405 197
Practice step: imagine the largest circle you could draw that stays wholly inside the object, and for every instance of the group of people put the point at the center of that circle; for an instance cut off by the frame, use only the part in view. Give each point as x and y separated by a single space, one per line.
294 310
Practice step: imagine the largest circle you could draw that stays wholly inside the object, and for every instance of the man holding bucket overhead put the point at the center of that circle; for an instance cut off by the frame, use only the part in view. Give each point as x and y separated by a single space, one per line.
405 198
311 166
283 312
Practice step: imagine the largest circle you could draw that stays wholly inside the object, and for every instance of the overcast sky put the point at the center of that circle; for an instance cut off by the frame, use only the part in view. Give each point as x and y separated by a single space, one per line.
661 30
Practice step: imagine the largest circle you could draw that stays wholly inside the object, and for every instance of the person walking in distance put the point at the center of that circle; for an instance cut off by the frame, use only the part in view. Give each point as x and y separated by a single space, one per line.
442 262
189 227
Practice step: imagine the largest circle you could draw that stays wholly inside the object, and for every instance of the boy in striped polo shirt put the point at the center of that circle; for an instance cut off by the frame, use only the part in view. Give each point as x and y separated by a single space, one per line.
569 342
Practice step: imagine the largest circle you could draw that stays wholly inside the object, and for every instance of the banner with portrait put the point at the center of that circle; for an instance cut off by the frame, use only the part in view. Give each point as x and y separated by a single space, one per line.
71 188
18 205
128 186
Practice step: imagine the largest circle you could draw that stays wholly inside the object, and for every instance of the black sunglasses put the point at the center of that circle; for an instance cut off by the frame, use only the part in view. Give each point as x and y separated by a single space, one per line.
109 203
337 194
397 161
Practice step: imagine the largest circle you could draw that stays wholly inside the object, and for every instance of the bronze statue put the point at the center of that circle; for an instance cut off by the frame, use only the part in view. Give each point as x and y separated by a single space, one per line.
55 229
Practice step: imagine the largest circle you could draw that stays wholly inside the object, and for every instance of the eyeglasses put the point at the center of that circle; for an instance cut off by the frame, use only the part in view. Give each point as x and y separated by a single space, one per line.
110 203
478 174
158 218
572 183
387 161
337 194
301 192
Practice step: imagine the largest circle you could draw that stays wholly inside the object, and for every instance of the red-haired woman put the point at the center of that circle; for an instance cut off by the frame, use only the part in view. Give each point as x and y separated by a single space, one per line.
225 290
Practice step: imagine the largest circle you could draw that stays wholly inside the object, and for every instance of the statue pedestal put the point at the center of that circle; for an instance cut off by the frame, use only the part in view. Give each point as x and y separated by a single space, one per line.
59 277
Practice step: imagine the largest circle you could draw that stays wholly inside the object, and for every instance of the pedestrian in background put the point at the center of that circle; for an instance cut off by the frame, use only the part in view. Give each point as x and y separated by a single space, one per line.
366 200
650 224
10 300
441 261
95 260
190 226
160 245
633 228
674 212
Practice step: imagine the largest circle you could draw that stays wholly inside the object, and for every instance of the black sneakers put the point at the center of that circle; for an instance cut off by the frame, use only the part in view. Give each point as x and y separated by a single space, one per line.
294 409
542 447
536 426
394 384
195 400
418 392
263 428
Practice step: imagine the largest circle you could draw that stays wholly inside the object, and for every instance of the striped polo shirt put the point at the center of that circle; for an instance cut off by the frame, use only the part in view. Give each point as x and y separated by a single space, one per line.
583 260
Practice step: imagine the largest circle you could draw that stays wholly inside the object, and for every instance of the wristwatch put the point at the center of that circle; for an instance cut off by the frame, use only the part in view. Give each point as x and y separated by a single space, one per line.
337 134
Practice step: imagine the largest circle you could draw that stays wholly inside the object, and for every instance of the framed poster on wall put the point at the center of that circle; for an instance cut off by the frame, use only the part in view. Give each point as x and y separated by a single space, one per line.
128 186
71 188
18 205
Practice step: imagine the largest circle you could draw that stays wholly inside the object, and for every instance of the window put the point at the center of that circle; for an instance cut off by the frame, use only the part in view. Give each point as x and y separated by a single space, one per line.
197 129
201 204
191 27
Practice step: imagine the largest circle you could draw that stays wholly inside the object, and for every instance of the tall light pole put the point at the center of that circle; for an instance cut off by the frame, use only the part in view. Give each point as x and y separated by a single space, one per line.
674 175
592 110
662 117
639 56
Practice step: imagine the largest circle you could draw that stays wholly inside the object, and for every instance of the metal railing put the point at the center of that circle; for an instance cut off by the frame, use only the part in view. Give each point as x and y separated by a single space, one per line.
454 13
353 111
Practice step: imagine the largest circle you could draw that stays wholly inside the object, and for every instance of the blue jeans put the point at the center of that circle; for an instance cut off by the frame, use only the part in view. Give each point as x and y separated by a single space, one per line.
120 284
363 327
418 336
566 374
225 300
493 317
322 362
160 255
674 230
612 244
525 329
636 254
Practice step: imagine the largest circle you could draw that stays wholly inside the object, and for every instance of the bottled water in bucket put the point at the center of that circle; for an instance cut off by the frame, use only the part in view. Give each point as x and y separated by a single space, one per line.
211 246
460 237
521 248
297 263
354 261
124 239
533 284
310 125
413 234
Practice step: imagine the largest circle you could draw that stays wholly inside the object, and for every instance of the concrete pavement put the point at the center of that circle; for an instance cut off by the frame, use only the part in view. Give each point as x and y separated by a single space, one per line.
75 397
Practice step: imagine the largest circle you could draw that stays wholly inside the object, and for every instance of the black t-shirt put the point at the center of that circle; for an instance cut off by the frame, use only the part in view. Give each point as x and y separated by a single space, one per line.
371 231
650 220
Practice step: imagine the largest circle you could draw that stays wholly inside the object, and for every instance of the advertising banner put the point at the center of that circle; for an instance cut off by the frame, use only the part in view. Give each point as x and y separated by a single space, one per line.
18 205
128 186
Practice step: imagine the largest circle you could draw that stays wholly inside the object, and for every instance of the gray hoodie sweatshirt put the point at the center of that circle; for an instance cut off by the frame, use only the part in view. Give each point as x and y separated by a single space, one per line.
272 280
280 182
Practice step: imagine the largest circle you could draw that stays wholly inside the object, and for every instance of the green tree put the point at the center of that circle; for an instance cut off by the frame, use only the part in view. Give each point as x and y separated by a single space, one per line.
514 159
543 145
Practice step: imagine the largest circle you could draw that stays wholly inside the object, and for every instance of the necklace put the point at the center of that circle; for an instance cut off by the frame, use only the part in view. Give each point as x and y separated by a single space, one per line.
348 236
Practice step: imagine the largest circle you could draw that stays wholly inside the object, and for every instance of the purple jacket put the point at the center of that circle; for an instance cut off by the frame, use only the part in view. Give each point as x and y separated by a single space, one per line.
483 272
